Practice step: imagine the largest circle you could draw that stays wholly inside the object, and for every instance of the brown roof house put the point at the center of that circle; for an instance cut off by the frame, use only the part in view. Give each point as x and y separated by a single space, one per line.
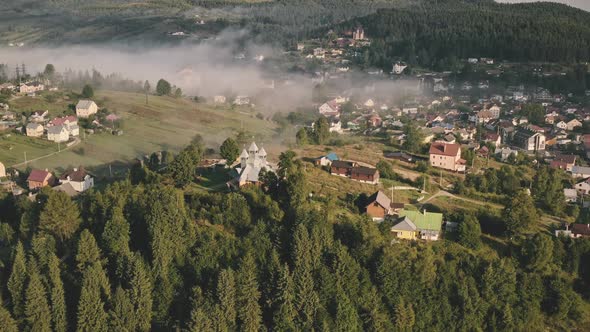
564 161
365 174
38 179
379 206
447 156
342 167
581 230
78 178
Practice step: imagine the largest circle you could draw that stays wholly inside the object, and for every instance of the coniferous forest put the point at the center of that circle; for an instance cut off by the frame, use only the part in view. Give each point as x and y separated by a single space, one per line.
144 254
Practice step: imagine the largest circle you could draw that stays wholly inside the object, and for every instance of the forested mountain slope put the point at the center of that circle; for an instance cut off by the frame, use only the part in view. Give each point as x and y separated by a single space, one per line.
439 30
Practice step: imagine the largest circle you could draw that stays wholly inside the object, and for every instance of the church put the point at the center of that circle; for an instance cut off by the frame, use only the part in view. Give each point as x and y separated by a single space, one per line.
252 162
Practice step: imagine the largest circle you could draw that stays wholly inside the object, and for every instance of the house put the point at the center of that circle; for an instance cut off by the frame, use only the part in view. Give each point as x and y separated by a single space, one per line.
252 162
330 108
33 87
34 129
38 116
580 172
219 99
58 134
66 188
342 167
563 161
581 230
374 120
335 125
571 195
326 160
414 225
242 100
86 108
2 170
495 111
38 179
583 188
399 155
528 140
573 124
492 138
561 125
365 174
65 120
378 206
504 153
484 116
446 156
78 178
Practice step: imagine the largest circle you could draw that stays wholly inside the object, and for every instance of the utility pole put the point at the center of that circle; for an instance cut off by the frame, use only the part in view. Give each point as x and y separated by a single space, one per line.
110 171
58 147
440 178
25 159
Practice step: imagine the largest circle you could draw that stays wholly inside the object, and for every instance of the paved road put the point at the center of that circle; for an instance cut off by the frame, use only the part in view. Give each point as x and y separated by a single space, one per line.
76 142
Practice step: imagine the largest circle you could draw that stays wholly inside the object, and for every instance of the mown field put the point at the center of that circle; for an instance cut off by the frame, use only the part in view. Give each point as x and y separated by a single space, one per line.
165 123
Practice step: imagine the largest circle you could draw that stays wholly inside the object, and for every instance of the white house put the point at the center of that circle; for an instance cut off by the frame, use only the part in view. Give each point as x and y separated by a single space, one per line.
583 187
34 129
219 99
33 87
86 108
2 170
571 195
330 108
58 134
561 125
39 116
79 179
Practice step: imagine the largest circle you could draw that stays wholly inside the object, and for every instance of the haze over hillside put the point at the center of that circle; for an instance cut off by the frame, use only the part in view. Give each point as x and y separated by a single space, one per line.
582 4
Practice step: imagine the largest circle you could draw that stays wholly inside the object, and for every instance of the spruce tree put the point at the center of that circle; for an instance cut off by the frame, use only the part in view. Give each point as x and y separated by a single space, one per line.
92 316
7 323
140 293
88 252
285 313
347 319
250 314
60 216
37 311
306 298
17 280
226 295
122 316
57 296
115 237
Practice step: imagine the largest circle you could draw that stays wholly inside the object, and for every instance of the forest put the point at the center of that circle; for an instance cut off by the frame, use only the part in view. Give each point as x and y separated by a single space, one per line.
147 253
436 34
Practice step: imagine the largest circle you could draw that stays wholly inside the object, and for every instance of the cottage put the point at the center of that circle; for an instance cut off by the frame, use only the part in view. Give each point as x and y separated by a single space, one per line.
580 172
58 134
581 230
563 161
86 108
219 99
493 138
583 188
29 88
446 156
414 225
342 167
78 178
38 179
571 195
326 160
365 174
378 206
34 129
330 108
242 101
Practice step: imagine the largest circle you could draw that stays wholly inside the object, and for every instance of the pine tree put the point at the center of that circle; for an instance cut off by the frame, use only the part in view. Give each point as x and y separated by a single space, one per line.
306 298
140 293
60 216
347 318
404 317
92 316
7 323
37 312
285 314
375 319
226 295
115 237
16 282
200 321
88 252
250 314
57 296
122 317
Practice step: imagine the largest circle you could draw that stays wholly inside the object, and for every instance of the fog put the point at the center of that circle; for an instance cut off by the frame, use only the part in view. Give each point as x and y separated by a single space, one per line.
206 69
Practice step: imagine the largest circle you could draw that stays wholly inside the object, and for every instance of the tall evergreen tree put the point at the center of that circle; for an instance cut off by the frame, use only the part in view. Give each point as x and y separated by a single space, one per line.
122 316
17 280
37 311
7 323
285 313
226 295
306 298
140 293
57 296
347 318
92 316
88 252
60 216
115 237
250 314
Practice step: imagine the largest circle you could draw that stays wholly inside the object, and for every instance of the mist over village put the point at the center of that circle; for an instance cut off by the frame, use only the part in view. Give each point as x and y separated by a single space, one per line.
198 165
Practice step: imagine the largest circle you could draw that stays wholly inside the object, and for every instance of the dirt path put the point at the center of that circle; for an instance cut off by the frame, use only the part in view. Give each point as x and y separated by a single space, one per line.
76 142
443 193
